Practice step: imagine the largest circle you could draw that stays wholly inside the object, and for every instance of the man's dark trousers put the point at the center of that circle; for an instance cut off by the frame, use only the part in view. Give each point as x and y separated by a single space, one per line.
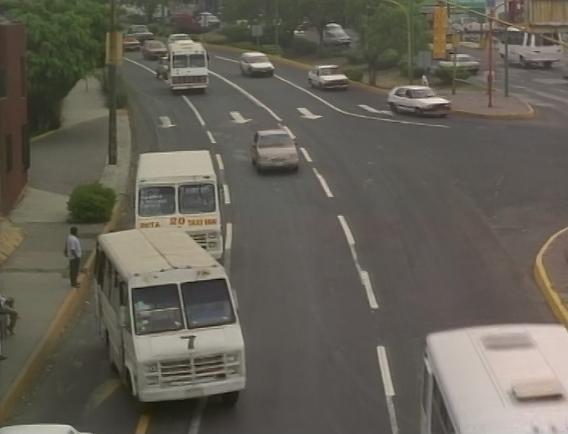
74 270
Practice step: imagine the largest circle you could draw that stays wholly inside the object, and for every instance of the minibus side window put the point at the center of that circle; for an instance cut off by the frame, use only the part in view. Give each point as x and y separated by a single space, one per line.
100 267
107 284
115 291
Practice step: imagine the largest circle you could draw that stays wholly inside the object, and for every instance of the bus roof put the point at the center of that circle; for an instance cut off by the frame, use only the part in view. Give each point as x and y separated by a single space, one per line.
503 379
175 166
188 46
136 252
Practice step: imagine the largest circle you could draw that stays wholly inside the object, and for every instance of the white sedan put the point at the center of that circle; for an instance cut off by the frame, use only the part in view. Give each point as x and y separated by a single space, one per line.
327 77
255 63
421 100
464 61
42 428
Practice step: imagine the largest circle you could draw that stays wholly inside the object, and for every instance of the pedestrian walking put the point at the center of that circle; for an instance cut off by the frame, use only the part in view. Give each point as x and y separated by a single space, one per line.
73 253
8 318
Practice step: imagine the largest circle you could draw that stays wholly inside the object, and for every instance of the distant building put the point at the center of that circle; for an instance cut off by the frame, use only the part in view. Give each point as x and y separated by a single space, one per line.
14 133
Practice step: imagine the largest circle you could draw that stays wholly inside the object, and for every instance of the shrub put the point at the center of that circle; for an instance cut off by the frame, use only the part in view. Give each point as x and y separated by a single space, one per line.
214 38
303 47
354 74
236 32
417 70
388 59
355 57
91 203
445 75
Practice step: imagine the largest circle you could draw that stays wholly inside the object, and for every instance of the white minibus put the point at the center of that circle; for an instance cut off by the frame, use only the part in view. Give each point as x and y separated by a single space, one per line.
500 379
168 316
180 189
528 49
188 66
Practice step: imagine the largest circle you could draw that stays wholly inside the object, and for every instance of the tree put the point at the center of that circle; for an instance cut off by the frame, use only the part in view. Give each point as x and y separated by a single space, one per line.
65 42
322 12
150 7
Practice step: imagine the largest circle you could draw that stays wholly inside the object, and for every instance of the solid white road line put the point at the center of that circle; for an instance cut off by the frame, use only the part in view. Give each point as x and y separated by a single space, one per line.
374 110
140 65
238 118
323 183
166 122
195 111
363 275
220 162
228 236
288 130
356 115
306 155
196 417
388 387
306 114
226 194
248 95
227 59
211 138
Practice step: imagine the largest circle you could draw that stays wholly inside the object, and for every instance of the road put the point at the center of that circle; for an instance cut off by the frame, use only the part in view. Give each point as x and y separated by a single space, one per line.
395 226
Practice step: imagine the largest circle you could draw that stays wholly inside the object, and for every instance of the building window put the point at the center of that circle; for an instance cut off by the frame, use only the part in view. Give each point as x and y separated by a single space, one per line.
26 146
23 75
2 83
9 153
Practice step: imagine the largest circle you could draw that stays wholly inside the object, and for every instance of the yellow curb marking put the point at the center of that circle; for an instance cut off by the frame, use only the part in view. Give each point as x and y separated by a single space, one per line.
143 423
102 393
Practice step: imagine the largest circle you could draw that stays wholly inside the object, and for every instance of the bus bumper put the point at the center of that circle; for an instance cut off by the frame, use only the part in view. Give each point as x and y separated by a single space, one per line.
158 393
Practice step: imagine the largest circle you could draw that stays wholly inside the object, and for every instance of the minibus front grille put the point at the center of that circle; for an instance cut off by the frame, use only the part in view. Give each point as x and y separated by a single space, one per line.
200 239
193 370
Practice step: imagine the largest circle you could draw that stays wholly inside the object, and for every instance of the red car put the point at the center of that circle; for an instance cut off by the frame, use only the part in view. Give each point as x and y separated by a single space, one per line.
130 43
154 49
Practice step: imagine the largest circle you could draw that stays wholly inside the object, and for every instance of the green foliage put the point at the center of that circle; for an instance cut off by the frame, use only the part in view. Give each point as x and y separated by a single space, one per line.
355 57
388 59
249 46
65 41
417 71
354 74
236 33
302 47
91 203
214 38
445 75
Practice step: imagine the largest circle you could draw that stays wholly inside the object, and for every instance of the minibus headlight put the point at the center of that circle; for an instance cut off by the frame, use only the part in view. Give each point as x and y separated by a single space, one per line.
233 358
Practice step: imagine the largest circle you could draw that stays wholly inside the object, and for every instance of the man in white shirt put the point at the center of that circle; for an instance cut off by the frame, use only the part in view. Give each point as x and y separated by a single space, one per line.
73 252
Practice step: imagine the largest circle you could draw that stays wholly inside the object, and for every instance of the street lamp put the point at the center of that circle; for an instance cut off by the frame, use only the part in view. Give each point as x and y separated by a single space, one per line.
408 36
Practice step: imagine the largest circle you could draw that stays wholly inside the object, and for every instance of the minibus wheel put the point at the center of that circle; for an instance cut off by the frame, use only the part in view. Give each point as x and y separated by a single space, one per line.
230 398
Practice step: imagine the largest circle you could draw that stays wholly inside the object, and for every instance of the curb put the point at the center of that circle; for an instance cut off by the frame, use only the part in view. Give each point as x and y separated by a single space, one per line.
10 240
546 285
73 301
529 114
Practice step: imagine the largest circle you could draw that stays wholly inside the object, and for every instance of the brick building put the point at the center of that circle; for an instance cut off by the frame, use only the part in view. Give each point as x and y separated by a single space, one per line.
14 134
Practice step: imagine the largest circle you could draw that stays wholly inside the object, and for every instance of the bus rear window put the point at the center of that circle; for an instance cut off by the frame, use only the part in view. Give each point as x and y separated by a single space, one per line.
156 201
207 303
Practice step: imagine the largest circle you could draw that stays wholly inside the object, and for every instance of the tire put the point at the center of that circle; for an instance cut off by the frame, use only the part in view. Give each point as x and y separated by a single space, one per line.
547 65
112 363
310 83
418 111
295 169
393 107
230 399
523 62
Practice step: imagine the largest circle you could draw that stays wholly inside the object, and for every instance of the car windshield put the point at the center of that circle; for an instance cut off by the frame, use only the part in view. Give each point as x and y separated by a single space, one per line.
180 38
155 44
156 309
196 198
197 60
329 71
207 303
180 61
138 29
156 201
275 141
422 93
258 59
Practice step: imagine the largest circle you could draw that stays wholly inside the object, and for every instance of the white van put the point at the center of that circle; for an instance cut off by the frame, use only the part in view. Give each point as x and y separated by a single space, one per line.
529 49
168 316
188 66
180 190
500 379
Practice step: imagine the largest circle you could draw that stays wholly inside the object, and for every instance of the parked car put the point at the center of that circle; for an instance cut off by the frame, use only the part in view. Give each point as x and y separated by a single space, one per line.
130 43
327 77
274 149
154 49
140 32
255 63
178 37
163 67
333 35
464 61
421 100
40 428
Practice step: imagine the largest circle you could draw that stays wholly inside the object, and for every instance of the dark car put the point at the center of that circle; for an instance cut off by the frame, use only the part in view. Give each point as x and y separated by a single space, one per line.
154 49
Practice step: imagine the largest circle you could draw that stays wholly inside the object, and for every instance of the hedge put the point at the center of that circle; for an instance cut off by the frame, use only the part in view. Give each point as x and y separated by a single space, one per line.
91 203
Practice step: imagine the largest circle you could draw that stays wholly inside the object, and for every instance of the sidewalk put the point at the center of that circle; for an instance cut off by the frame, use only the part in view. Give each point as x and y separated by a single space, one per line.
36 274
551 273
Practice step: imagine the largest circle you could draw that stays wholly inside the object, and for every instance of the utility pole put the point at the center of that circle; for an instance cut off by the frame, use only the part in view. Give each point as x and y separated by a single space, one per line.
506 50
455 64
490 72
111 77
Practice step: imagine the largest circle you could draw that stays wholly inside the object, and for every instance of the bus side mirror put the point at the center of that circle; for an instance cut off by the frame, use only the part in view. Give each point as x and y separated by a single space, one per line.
123 316
236 300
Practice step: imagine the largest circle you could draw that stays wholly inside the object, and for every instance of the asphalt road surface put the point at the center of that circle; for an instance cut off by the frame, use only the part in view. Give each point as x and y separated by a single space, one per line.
394 227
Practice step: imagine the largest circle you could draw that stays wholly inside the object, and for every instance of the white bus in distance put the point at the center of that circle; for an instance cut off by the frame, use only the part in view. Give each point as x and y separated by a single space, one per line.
168 316
180 190
501 379
188 66
527 49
